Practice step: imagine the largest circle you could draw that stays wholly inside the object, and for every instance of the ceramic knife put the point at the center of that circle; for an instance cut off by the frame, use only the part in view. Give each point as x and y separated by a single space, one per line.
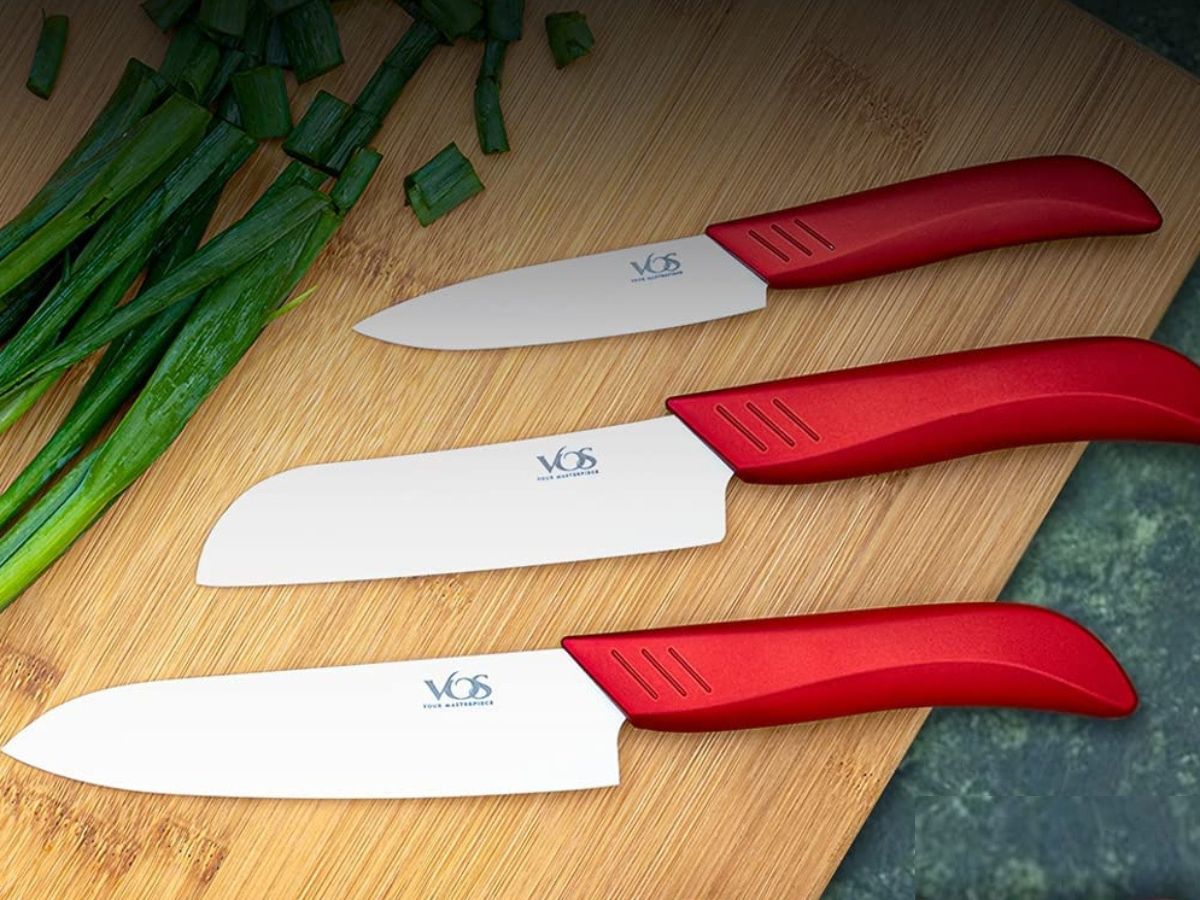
660 484
547 720
727 270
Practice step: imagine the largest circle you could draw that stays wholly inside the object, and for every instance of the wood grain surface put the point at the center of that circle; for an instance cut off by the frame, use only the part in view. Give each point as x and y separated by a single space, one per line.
685 113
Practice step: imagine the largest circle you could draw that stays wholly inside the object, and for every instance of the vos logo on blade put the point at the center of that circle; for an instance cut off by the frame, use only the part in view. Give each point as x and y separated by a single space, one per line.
459 690
657 265
568 463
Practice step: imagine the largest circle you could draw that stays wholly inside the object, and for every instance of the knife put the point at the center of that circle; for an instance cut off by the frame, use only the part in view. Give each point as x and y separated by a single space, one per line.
660 484
726 270
547 720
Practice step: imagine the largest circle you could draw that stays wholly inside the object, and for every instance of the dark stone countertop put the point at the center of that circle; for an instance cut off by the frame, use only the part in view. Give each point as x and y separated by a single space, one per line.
1003 804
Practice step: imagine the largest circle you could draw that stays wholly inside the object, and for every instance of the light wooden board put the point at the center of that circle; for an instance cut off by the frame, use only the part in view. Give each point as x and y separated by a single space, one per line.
686 113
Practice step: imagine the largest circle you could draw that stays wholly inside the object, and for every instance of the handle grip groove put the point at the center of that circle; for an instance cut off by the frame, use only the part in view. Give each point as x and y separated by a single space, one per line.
925 220
880 418
778 671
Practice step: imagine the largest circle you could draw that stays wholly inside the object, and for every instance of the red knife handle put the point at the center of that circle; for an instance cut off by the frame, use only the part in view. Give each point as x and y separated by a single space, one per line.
896 415
778 671
929 219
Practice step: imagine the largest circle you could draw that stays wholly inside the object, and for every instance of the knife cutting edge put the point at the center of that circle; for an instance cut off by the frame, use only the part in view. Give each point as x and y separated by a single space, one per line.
548 720
660 484
726 270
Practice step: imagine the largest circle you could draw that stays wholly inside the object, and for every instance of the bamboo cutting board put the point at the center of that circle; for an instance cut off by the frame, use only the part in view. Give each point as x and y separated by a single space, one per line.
686 113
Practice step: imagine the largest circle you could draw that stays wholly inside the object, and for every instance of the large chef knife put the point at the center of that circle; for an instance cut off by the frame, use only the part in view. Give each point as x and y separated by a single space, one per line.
547 720
660 484
727 270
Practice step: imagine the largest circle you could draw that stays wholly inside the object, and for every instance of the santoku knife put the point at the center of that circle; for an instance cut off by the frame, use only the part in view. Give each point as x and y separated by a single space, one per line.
660 484
726 270
547 720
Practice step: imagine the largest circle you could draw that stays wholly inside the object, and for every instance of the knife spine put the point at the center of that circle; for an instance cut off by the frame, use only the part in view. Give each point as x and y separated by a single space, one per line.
880 418
767 672
925 220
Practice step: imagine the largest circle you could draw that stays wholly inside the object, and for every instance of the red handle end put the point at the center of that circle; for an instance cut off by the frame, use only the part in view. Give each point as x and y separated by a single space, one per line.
778 671
925 220
880 418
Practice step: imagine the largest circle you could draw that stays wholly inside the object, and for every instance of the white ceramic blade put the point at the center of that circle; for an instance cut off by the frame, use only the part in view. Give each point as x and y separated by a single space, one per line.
502 724
619 292
626 489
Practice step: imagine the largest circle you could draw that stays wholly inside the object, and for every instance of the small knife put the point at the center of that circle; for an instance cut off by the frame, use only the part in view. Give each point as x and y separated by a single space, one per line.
660 484
547 720
726 270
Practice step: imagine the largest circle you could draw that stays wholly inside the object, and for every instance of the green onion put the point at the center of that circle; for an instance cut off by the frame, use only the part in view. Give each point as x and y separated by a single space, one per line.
228 109
25 299
489 120
311 37
137 91
382 91
355 134
231 249
263 100
166 14
101 303
157 139
276 52
440 185
217 333
47 59
41 512
354 179
191 61
231 61
227 17
569 36
316 133
453 18
279 7
124 366
131 231
503 19
258 26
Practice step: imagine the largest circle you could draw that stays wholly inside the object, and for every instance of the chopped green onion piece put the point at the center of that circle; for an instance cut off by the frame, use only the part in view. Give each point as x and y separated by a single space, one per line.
355 134
493 60
317 131
226 17
191 62
258 26
48 57
276 52
454 18
294 172
311 37
151 144
231 61
262 97
440 185
569 35
382 91
279 7
503 19
489 120
228 109
354 179
166 14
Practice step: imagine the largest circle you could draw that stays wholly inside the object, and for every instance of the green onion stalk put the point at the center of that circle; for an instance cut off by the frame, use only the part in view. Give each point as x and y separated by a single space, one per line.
230 250
217 332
